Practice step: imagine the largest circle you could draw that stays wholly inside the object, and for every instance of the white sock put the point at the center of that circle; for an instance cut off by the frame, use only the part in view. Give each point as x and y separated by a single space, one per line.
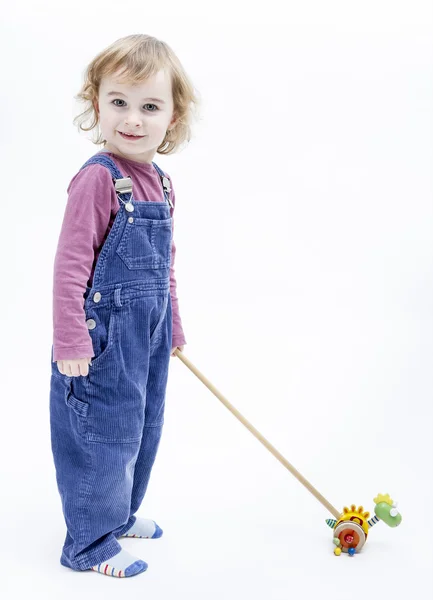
122 564
144 528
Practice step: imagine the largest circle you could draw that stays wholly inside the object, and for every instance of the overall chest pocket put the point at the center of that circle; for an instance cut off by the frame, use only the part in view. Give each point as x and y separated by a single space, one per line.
146 243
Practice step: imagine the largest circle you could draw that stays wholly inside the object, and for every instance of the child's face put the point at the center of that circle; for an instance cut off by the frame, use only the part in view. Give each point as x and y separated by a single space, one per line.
131 110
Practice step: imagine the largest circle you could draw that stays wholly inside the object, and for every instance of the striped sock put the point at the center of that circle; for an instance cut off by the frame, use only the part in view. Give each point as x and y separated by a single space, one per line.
144 528
123 564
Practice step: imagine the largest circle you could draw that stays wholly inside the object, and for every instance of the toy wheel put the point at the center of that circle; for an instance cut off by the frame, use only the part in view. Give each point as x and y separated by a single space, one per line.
351 535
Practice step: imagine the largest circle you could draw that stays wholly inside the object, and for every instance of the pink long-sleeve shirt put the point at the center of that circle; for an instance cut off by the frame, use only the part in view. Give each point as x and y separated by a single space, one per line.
89 214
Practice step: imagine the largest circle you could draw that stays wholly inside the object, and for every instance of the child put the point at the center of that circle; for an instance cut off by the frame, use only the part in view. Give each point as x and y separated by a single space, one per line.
114 299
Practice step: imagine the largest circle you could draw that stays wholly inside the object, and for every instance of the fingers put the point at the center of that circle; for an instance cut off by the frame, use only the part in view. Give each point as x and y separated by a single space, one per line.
83 367
78 367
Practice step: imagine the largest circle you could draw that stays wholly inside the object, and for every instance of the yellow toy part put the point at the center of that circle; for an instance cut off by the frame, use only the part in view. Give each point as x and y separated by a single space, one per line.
355 516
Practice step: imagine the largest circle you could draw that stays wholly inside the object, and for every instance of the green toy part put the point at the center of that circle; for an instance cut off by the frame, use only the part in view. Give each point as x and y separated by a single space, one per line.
388 513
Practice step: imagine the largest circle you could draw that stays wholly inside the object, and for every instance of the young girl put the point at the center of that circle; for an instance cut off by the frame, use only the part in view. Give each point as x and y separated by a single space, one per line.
115 312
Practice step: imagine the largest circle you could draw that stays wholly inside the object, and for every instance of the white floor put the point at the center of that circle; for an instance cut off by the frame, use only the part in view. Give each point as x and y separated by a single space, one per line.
236 523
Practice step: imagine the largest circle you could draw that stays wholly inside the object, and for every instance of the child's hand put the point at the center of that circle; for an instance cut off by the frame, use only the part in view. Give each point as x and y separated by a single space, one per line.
77 367
74 367
173 349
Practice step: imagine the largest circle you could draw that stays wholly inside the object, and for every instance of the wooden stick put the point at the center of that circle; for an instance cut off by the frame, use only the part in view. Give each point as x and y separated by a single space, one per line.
257 434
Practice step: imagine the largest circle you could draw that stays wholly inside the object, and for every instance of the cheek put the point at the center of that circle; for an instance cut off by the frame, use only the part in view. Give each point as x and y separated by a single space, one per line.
156 127
107 119
108 125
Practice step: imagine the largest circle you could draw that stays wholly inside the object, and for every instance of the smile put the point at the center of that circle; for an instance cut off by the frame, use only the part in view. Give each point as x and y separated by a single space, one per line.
131 137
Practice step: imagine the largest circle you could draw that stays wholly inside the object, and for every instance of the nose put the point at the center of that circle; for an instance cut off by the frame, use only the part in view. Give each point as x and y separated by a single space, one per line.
133 119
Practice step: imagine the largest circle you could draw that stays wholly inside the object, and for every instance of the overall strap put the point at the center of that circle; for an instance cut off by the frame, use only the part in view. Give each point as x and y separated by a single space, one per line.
123 185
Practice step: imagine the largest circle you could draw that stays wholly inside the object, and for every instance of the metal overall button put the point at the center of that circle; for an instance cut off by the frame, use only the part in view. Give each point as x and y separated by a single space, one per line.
91 323
123 185
97 297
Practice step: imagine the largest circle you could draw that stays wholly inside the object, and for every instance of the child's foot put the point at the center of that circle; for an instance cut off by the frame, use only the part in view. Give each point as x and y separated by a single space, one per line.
122 564
144 528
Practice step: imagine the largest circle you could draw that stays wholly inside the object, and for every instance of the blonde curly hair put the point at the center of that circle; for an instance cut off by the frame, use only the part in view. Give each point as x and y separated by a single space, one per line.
140 56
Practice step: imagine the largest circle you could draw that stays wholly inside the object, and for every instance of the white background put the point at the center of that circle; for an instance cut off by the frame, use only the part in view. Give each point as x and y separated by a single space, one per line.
304 238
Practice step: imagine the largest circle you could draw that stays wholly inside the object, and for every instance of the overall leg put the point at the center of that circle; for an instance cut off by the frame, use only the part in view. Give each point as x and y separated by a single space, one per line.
87 540
159 360
97 424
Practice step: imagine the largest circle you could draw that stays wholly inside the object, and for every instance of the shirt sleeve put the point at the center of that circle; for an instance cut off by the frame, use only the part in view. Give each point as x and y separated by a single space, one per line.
85 222
178 337
84 228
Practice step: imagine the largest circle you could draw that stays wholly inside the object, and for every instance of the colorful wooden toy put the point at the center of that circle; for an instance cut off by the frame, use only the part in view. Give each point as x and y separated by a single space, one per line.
349 528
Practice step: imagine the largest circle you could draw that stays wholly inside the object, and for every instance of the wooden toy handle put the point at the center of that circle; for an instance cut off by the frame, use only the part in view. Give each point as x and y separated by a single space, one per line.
257 434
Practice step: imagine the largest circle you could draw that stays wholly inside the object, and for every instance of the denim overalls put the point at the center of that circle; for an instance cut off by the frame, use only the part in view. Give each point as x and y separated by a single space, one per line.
106 426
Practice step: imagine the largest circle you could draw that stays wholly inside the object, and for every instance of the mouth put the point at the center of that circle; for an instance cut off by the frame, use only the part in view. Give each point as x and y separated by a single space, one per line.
130 137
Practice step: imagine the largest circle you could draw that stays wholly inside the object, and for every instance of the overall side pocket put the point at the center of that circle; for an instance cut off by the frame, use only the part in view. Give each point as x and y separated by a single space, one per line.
78 406
102 326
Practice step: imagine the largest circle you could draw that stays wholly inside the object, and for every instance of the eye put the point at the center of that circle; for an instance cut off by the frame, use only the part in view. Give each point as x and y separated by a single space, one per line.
119 100
152 105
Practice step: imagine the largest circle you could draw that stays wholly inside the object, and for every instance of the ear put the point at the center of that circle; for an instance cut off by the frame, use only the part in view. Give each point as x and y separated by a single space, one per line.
173 121
96 106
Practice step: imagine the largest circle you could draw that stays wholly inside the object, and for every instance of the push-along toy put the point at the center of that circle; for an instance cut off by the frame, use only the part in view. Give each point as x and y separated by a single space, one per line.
350 528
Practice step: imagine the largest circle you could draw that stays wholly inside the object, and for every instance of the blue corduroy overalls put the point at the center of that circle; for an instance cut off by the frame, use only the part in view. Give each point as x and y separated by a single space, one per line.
106 426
